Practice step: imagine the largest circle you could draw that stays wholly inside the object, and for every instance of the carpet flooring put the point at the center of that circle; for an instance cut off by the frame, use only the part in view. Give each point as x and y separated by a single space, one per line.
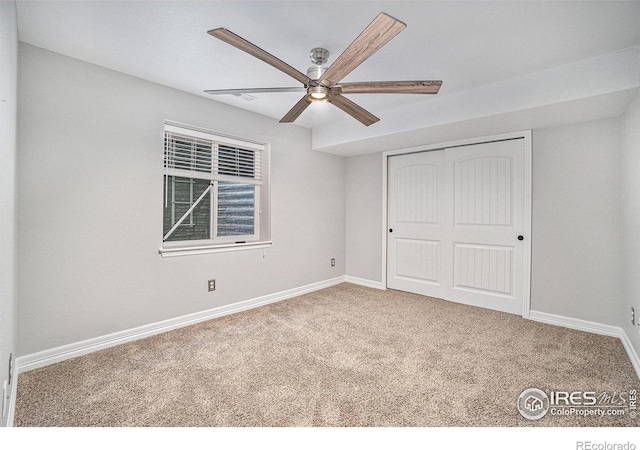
345 356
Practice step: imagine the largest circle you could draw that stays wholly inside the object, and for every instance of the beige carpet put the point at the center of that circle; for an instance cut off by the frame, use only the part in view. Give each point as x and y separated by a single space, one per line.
344 356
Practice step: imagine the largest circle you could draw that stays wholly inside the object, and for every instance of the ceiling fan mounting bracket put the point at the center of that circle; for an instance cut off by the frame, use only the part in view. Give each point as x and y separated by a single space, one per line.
319 56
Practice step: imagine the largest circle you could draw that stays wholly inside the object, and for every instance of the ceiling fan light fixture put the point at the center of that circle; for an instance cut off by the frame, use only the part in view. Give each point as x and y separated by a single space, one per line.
318 94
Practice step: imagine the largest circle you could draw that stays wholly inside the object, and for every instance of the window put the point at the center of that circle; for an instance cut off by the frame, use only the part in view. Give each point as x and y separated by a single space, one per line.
216 192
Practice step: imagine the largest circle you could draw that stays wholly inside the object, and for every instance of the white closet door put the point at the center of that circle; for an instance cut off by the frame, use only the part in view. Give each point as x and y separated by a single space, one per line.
416 206
455 218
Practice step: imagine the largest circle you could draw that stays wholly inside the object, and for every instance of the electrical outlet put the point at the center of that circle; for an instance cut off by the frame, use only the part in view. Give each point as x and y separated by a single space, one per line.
212 285
333 262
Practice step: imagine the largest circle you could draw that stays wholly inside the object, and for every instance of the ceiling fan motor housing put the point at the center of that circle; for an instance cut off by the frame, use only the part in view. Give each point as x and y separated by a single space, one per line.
314 72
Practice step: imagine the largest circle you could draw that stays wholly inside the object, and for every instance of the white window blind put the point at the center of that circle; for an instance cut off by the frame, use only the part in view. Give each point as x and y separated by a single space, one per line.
187 153
200 155
239 162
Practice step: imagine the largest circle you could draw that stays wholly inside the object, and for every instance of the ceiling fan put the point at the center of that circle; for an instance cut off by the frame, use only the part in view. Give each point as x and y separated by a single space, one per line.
322 84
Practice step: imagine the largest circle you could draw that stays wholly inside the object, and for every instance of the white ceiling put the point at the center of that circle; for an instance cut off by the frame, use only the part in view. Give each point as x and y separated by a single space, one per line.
471 46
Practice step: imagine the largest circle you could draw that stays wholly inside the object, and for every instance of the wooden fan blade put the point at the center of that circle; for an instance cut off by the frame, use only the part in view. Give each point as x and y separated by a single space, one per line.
378 33
255 90
357 112
388 87
297 109
233 39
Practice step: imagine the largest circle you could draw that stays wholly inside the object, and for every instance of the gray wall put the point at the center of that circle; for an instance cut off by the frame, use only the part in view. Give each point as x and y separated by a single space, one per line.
364 217
576 221
631 220
8 89
90 206
576 215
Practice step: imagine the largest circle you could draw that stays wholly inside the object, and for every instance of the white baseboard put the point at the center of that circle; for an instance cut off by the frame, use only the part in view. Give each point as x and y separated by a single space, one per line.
633 355
365 282
576 324
12 400
591 327
57 354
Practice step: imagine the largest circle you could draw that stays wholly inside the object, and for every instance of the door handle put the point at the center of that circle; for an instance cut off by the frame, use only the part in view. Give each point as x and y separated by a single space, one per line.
390 230
520 238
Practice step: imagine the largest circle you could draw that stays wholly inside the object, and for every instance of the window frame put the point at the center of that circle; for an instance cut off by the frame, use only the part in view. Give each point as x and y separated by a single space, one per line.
261 225
174 202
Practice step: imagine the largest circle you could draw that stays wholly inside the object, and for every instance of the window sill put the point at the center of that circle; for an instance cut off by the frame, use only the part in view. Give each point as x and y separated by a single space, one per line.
202 249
